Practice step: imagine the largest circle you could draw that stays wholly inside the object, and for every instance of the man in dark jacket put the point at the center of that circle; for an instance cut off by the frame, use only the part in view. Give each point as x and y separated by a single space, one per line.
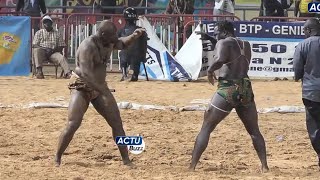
106 7
306 66
274 8
33 8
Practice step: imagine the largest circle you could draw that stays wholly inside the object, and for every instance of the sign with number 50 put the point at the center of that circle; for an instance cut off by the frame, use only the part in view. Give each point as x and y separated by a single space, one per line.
274 48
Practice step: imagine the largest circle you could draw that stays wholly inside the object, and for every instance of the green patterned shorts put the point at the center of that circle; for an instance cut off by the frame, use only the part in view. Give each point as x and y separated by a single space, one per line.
236 92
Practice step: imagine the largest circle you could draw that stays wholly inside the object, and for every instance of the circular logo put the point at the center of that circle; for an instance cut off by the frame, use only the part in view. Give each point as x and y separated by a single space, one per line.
137 149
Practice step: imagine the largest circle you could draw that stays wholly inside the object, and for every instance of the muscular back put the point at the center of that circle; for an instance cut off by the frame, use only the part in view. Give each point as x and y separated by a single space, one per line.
236 66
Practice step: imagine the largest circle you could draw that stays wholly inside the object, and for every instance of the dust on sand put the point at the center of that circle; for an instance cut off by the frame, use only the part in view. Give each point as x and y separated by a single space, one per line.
29 137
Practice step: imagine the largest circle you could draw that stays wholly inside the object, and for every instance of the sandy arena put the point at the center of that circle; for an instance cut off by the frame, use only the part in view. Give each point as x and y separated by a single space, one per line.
29 137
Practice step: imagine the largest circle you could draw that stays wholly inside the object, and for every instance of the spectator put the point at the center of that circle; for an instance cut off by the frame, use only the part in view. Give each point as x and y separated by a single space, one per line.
306 66
33 8
152 4
135 3
104 4
135 54
224 7
181 7
286 4
275 8
206 4
301 7
48 45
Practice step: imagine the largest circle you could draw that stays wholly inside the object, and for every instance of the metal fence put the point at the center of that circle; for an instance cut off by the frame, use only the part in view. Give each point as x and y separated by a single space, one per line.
78 26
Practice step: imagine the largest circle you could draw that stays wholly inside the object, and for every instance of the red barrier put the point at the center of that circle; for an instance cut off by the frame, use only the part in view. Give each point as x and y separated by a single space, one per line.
13 14
86 18
184 20
279 19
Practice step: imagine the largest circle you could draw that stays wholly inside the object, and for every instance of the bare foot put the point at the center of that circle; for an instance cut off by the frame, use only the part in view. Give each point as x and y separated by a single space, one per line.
265 169
130 165
57 161
191 169
127 162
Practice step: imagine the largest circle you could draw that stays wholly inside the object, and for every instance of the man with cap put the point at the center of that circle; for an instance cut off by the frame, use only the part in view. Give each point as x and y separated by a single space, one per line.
88 85
136 52
47 46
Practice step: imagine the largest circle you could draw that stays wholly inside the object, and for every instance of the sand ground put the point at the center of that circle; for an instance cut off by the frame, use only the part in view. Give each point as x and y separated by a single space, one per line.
29 137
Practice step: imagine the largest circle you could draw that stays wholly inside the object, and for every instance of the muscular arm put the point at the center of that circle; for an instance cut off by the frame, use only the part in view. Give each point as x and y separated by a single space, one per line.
87 69
206 36
126 41
212 40
221 57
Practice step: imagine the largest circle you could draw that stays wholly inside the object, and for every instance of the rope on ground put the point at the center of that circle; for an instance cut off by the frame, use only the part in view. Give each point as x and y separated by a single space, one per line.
134 106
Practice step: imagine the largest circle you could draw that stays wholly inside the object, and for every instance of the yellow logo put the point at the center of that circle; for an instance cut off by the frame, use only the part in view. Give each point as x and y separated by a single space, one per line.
9 44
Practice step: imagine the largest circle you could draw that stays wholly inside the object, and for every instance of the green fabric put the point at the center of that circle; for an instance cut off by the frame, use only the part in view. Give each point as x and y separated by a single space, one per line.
236 92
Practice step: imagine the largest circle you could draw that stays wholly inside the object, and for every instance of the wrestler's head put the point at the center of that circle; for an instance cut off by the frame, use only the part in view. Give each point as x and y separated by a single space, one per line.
107 31
223 29
312 27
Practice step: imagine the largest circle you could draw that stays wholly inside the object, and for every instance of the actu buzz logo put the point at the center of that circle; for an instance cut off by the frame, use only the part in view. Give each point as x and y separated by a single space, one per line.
135 144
